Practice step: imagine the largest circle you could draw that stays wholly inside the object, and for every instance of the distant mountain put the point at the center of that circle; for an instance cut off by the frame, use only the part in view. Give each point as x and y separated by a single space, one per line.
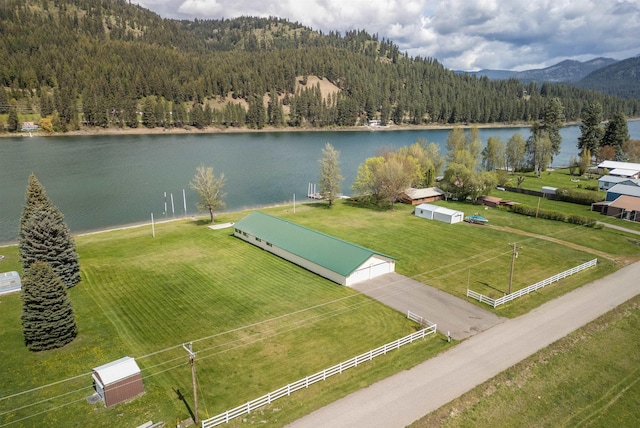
567 71
564 72
621 78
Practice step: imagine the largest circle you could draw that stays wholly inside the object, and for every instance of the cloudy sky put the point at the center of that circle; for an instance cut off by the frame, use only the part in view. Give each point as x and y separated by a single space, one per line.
461 34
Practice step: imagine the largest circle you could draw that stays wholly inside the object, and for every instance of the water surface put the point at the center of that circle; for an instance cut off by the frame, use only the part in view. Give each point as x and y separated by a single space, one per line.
105 181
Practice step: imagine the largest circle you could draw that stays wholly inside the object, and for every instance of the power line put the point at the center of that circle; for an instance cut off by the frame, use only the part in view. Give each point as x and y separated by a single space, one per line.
260 336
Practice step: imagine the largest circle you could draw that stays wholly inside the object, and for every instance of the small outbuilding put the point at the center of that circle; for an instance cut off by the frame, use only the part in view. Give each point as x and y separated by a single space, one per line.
606 182
621 169
548 190
337 260
489 201
435 212
10 282
425 195
622 190
118 381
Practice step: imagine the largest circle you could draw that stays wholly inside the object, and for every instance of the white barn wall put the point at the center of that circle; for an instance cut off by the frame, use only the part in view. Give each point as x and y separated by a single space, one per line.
372 268
455 217
424 213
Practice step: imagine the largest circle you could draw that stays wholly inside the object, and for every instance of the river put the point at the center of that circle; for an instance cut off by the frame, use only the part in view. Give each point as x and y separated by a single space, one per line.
107 181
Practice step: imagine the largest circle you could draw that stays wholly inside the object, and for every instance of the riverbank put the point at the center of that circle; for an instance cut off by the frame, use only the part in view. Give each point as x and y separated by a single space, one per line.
267 129
233 130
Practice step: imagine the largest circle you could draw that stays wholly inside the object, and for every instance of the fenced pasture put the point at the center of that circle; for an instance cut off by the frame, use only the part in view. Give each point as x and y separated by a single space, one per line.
247 311
530 289
451 256
323 375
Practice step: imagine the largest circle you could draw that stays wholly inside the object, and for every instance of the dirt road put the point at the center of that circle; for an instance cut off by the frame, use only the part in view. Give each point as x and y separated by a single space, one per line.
403 398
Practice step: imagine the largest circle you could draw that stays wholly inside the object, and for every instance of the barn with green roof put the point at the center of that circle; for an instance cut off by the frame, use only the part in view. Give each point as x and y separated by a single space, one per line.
340 261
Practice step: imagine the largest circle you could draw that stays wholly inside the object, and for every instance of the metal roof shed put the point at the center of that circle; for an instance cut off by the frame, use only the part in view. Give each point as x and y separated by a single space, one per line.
622 189
10 282
435 212
118 381
337 260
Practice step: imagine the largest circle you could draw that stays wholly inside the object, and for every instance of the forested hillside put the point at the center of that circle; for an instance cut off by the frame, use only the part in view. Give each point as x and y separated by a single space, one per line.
107 63
621 78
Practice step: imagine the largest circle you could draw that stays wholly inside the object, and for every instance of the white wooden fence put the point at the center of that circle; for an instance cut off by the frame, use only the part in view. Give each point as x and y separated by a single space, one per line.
417 318
309 380
509 297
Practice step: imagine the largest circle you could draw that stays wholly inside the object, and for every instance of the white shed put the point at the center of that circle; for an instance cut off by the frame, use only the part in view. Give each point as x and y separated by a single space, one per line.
10 282
548 190
435 212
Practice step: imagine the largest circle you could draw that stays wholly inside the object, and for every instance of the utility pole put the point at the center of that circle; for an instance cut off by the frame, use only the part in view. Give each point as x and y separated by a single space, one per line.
514 256
192 356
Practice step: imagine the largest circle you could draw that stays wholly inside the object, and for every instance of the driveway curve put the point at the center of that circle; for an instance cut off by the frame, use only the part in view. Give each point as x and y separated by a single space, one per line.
405 397
452 314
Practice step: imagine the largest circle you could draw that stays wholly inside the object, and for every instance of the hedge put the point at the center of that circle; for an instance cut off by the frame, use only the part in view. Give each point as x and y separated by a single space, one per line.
552 215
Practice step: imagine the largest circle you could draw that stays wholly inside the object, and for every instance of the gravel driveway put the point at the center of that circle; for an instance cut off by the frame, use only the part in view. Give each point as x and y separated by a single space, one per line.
453 314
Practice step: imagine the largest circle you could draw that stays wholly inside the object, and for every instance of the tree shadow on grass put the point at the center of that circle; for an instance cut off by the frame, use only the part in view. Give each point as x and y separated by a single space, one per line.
367 205
202 221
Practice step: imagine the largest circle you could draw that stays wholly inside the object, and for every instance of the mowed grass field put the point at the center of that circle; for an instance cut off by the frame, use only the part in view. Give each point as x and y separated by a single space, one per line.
258 322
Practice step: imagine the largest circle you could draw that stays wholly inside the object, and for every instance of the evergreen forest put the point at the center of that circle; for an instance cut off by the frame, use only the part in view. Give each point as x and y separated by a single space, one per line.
68 64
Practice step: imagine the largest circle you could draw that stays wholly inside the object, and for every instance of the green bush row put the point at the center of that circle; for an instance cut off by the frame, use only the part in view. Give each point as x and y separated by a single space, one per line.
553 215
576 196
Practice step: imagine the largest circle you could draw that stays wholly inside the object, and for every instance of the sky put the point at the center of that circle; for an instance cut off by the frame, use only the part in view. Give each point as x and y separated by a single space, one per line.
461 34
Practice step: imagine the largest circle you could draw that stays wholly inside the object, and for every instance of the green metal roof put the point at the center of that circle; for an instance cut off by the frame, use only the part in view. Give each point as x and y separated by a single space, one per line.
327 251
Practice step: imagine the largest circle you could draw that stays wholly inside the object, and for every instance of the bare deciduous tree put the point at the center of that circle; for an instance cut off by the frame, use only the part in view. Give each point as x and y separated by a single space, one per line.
209 188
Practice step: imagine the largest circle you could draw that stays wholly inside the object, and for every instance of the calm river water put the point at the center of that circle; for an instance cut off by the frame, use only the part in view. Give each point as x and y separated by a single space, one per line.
104 181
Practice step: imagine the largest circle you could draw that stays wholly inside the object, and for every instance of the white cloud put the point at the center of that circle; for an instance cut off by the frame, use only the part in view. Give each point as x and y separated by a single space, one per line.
461 34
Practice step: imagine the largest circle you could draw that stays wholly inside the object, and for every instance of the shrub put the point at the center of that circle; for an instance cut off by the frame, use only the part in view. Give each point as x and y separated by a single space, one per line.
578 196
552 215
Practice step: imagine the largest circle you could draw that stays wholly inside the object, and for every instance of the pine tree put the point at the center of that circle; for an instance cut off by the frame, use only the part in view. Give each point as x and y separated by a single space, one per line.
591 130
616 134
13 123
44 235
47 316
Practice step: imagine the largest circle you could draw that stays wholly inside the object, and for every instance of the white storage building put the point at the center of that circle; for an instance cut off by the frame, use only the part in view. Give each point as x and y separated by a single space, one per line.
435 212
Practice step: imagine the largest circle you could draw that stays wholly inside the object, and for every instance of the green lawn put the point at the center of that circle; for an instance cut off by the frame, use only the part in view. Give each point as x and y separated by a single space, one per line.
559 178
589 378
257 321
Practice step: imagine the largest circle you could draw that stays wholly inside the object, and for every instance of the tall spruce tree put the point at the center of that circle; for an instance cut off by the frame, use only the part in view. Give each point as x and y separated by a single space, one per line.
552 121
591 130
616 134
44 235
47 315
